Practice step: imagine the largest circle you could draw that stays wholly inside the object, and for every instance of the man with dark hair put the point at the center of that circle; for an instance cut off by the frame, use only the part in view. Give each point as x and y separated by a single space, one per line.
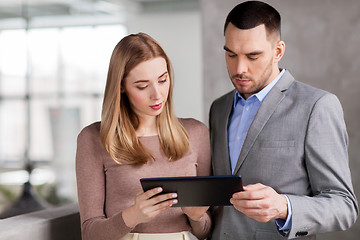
286 139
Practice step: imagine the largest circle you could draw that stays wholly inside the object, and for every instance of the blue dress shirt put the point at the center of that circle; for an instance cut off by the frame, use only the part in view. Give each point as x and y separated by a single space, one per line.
244 112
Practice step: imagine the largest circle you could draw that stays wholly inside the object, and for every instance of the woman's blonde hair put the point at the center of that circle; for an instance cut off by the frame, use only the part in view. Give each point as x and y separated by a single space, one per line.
119 122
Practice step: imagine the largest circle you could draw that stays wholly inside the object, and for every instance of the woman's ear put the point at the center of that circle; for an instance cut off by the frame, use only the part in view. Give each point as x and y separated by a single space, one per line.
122 88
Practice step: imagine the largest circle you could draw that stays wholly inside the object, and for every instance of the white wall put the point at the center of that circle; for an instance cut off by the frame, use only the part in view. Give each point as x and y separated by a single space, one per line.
179 33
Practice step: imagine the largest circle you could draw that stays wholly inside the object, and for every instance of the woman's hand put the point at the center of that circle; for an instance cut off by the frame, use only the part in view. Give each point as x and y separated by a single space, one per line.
195 213
147 207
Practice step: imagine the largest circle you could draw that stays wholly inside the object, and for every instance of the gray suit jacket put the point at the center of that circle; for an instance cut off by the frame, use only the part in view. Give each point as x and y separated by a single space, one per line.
297 144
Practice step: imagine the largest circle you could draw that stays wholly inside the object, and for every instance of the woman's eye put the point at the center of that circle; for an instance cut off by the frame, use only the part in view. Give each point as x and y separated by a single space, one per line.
141 87
163 81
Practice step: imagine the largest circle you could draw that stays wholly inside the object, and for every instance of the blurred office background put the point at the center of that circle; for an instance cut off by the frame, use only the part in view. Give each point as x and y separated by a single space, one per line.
54 56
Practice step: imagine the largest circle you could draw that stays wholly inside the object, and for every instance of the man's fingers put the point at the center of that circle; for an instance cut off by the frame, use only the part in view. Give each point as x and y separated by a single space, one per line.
260 202
254 187
252 192
249 195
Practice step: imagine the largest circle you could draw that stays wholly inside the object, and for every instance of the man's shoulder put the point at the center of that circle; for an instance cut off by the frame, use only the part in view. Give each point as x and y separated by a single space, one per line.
298 89
305 91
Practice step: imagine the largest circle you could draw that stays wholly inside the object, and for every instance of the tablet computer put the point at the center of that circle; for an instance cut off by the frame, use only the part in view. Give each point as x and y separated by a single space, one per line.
197 191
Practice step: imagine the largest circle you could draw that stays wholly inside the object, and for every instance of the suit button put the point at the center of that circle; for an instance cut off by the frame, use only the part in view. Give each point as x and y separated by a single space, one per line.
299 234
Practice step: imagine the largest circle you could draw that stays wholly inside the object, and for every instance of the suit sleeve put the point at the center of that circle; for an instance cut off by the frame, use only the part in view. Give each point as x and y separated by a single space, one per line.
332 205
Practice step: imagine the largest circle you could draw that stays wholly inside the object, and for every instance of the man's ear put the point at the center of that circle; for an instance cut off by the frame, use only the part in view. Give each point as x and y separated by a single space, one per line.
279 51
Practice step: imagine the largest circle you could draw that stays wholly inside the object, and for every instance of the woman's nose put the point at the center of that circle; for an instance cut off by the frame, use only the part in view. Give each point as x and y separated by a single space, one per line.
155 93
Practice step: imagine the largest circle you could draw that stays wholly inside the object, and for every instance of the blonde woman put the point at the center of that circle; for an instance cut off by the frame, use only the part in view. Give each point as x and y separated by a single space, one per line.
138 137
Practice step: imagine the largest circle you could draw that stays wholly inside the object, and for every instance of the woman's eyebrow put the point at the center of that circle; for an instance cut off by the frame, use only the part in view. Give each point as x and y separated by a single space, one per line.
141 81
145 81
163 74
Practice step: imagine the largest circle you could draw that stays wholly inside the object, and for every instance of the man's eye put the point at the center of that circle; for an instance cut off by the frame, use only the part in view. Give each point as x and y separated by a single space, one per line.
253 57
231 55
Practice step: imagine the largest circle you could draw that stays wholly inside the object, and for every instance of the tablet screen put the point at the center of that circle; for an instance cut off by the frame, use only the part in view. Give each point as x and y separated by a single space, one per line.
197 191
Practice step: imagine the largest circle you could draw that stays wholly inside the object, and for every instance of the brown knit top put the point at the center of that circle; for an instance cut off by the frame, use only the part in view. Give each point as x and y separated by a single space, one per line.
106 188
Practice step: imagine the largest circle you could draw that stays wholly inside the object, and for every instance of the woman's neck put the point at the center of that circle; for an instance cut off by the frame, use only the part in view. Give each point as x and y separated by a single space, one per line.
147 128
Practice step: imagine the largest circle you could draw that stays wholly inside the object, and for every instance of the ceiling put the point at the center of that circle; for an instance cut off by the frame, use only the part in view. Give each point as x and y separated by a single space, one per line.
42 13
37 8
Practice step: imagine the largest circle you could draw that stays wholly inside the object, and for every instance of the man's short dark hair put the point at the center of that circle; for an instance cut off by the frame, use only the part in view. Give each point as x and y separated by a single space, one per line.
251 14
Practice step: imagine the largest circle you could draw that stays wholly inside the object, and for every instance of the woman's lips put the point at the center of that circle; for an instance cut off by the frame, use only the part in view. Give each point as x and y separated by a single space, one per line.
156 106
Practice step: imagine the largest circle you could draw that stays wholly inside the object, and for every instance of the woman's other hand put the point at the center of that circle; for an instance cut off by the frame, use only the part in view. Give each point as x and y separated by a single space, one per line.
195 213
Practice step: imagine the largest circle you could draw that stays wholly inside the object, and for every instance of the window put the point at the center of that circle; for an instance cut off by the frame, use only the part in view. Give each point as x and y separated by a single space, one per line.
51 85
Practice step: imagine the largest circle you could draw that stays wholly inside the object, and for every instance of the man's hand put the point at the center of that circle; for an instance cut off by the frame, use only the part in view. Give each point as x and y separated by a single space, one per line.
261 203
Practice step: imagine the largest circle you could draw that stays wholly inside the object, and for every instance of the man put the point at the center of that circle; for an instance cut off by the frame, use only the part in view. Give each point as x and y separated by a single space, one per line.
286 139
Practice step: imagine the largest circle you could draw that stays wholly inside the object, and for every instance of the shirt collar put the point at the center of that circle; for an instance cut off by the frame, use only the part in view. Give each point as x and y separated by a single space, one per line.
262 94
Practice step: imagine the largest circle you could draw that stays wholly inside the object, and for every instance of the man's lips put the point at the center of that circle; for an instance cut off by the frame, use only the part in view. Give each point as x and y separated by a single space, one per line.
242 81
156 106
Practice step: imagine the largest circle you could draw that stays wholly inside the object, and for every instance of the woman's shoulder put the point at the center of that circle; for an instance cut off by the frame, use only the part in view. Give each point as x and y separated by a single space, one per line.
193 126
90 130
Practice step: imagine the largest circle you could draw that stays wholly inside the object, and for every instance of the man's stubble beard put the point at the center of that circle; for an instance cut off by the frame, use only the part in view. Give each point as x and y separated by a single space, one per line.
259 85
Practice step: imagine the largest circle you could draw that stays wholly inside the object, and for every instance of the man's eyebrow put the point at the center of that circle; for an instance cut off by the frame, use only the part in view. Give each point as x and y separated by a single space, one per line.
254 53
227 49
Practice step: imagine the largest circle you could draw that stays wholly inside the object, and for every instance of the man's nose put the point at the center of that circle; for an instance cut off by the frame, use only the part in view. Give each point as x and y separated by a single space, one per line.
241 66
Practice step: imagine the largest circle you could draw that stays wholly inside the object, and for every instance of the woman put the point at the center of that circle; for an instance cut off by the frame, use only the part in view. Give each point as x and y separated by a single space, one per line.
138 137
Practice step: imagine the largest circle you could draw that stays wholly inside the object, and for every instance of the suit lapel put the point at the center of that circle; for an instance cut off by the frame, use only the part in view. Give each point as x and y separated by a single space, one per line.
267 108
228 106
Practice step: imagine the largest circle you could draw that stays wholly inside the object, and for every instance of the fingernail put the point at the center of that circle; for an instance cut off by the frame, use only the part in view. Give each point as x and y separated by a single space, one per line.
159 189
174 195
175 201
